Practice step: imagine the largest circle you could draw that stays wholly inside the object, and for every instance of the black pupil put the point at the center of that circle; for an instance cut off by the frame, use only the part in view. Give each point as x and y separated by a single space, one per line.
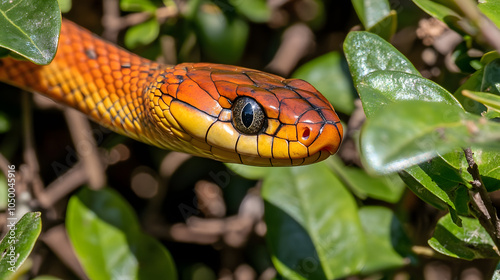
247 115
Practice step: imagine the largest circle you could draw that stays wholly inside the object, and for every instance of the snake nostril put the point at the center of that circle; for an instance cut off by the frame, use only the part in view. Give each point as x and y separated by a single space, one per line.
306 133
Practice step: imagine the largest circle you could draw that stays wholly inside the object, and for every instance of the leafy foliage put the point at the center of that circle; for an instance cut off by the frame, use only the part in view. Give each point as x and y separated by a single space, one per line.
322 221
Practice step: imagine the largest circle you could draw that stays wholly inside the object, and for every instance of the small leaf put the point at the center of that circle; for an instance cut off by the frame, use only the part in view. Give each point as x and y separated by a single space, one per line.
142 34
410 132
444 10
471 241
31 28
379 56
313 225
492 101
17 244
329 75
105 234
474 83
386 27
371 12
377 223
381 88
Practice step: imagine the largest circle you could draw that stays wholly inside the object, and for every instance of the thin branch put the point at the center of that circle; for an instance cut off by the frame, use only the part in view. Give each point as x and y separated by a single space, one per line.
488 29
32 175
86 147
482 207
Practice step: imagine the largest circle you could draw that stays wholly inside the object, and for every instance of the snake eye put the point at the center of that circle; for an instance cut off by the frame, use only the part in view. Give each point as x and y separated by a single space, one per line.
248 116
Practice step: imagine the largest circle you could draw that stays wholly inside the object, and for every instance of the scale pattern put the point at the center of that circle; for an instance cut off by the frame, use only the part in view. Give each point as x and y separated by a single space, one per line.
186 107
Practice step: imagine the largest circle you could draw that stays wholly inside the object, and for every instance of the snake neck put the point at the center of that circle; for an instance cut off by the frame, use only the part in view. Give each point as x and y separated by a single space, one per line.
105 82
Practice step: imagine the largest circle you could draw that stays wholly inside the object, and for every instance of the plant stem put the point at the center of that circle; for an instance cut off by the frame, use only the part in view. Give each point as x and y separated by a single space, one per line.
481 203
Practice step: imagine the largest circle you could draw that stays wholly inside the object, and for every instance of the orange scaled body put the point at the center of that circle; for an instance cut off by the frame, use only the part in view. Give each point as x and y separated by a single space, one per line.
187 107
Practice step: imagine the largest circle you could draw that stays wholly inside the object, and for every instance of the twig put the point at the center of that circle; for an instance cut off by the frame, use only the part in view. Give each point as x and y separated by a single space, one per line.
482 207
86 146
488 29
32 176
63 185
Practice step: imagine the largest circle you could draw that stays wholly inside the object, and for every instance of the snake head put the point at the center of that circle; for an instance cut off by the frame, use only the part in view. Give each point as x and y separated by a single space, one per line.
241 115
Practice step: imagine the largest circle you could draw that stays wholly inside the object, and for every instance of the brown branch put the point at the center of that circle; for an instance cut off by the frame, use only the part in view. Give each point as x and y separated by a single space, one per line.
488 29
29 175
482 206
86 147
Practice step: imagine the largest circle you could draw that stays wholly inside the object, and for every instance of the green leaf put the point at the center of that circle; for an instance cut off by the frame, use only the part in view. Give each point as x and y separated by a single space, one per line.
474 83
410 132
107 239
313 225
442 181
487 163
17 244
471 241
444 10
142 34
387 188
377 223
492 101
329 75
137 6
31 28
65 5
378 89
370 12
379 56
255 10
491 9
386 27
223 38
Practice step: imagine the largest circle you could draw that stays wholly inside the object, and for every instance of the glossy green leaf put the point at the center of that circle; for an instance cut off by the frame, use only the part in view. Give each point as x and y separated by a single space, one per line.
255 10
378 89
386 27
444 10
474 83
31 28
313 225
17 244
222 38
142 34
377 223
387 188
491 8
137 6
329 75
487 163
65 5
106 236
410 132
440 179
379 56
492 101
471 241
370 12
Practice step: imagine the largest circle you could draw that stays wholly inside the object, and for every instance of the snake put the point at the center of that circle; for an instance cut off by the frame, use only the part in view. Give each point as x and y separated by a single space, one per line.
227 113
